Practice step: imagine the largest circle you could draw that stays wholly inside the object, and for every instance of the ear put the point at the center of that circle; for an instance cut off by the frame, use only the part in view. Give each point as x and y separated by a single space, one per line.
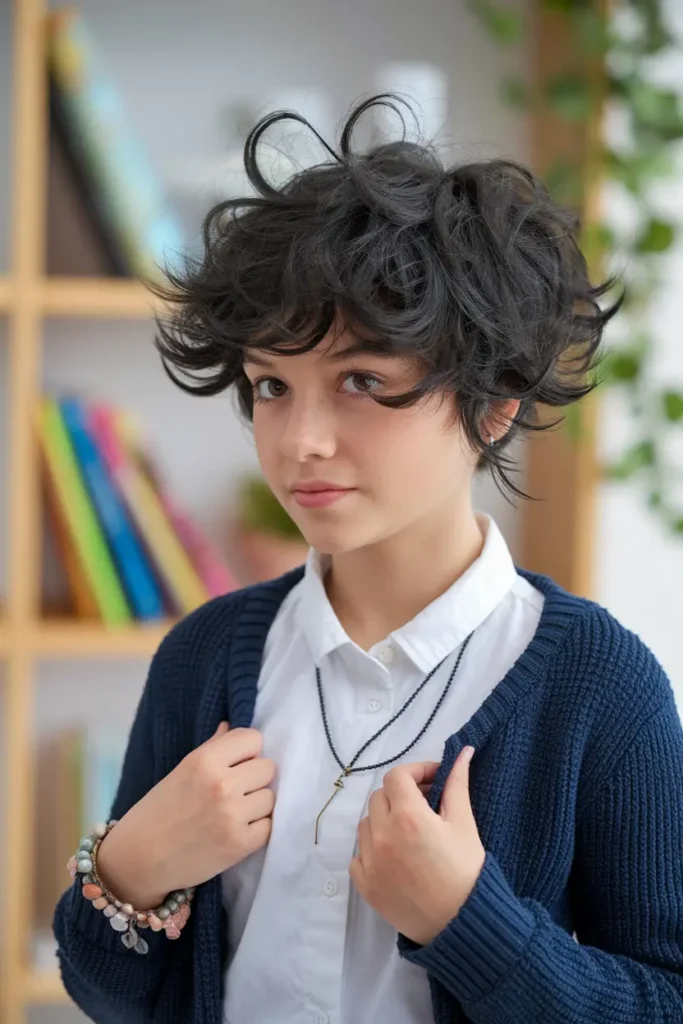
501 416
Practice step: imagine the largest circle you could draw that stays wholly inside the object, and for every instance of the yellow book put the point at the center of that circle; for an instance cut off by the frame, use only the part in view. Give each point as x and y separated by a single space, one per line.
170 557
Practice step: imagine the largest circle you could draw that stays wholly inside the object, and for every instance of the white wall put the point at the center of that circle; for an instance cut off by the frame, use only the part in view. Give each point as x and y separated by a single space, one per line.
177 66
639 562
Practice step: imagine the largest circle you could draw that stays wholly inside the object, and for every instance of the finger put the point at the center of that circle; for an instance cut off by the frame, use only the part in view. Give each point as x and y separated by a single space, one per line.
378 807
456 794
401 782
221 729
363 840
233 746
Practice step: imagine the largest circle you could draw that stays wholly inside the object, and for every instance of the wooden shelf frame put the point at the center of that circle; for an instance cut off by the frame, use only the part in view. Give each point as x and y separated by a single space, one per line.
84 297
27 297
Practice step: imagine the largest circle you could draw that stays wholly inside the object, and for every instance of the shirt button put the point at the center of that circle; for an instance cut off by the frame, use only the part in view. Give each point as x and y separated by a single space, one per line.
374 705
386 655
330 887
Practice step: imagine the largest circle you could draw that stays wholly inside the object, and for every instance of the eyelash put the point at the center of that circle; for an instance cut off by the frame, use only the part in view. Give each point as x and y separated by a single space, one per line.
347 376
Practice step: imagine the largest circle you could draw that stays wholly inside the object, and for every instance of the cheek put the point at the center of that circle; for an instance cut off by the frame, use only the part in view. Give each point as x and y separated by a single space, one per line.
265 440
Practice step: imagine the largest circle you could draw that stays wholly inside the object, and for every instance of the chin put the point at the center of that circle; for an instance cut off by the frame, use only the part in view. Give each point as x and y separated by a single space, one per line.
332 540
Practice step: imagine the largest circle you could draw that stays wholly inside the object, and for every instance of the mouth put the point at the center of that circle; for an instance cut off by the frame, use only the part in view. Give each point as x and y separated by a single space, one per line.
319 495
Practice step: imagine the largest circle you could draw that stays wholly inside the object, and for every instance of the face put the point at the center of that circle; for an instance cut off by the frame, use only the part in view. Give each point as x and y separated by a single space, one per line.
350 472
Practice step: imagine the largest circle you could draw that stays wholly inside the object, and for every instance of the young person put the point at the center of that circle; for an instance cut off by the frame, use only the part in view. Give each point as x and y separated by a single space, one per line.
299 772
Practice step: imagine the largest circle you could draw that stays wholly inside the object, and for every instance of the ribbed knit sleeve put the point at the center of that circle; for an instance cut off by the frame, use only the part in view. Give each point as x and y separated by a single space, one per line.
110 983
508 962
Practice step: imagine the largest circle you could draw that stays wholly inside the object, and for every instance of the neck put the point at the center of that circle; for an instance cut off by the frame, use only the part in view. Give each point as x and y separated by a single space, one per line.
379 588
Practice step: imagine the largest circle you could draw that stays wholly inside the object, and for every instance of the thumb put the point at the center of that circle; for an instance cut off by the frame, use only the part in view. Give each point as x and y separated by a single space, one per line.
221 730
456 793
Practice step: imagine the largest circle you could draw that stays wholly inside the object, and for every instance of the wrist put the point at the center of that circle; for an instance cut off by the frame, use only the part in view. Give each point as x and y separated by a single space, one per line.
125 873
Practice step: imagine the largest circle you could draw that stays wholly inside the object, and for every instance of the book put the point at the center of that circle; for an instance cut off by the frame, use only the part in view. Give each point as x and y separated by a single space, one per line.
82 596
81 521
137 578
59 816
127 193
78 773
80 241
146 510
213 570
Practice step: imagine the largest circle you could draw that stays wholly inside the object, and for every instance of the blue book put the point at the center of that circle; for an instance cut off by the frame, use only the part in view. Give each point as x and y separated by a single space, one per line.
135 571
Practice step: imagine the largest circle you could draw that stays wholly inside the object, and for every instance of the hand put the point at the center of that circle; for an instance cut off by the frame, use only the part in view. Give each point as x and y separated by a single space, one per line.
414 867
208 814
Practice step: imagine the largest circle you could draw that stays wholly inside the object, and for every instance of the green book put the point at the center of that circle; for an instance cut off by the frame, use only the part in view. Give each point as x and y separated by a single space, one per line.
84 527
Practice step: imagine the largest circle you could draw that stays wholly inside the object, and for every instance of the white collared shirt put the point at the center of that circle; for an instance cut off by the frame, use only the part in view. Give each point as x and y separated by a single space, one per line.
303 946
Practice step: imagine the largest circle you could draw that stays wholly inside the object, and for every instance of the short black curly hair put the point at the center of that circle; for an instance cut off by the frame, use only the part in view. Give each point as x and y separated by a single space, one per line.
473 269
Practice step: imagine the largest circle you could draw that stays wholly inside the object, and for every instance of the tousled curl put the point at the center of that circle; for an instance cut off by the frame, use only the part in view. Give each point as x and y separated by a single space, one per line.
472 269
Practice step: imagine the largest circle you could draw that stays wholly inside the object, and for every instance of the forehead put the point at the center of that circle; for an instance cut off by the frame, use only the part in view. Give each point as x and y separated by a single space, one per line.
333 348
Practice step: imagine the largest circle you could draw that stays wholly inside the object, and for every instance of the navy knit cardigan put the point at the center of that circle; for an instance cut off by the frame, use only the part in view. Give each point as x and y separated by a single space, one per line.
577 790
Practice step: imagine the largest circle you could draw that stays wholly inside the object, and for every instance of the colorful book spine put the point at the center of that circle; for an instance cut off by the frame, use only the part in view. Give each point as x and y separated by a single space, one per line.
130 192
136 576
82 523
82 596
147 512
206 559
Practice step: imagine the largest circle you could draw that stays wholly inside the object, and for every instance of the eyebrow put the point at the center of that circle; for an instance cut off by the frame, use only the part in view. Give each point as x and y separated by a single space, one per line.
362 346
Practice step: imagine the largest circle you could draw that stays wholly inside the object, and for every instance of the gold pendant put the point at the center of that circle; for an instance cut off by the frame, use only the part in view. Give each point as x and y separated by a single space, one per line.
339 784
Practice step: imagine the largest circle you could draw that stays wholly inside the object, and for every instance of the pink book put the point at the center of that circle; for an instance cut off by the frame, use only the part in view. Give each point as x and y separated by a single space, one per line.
207 560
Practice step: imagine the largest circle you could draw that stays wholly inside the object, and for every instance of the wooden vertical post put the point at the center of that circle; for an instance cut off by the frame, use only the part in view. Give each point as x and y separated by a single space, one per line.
559 530
25 331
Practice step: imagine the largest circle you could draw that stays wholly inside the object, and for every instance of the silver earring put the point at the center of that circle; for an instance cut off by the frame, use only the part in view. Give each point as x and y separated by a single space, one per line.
491 439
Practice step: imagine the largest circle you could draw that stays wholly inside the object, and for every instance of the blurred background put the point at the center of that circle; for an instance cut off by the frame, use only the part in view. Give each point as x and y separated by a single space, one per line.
124 503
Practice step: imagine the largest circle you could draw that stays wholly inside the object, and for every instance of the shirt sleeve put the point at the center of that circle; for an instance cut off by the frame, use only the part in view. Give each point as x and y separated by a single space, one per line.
507 962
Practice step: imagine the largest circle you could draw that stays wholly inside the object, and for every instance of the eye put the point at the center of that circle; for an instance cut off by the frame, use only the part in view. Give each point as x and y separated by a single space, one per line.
268 388
361 383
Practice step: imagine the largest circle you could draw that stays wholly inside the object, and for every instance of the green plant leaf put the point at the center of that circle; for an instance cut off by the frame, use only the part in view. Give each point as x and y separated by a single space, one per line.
656 236
677 525
564 183
592 30
516 92
503 24
639 456
573 422
621 366
569 96
654 499
636 171
673 406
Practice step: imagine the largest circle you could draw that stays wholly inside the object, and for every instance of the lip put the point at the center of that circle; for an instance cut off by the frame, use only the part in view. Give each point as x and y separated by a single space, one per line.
318 494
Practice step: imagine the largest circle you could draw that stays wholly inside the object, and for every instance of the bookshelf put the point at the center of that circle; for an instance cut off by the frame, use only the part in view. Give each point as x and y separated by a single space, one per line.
27 297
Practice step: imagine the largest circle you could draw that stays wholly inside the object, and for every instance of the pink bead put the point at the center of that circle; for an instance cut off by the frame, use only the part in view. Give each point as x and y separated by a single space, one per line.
184 913
171 928
155 923
71 865
92 891
100 903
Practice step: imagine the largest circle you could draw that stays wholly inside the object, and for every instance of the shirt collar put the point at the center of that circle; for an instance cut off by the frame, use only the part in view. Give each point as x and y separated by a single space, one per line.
435 631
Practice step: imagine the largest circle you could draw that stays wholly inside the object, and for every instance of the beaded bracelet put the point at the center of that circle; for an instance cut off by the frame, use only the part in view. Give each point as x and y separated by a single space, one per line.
171 916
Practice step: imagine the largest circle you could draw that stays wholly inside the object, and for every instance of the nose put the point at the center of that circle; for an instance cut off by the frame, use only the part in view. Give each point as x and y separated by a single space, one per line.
309 430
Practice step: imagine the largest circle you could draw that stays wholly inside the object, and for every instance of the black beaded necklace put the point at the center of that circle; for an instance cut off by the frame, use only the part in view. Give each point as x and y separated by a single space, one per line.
339 784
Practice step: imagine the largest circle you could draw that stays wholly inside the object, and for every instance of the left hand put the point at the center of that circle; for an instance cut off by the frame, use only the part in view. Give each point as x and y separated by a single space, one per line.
414 867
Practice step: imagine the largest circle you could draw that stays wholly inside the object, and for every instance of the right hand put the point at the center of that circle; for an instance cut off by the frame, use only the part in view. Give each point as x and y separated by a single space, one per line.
208 814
